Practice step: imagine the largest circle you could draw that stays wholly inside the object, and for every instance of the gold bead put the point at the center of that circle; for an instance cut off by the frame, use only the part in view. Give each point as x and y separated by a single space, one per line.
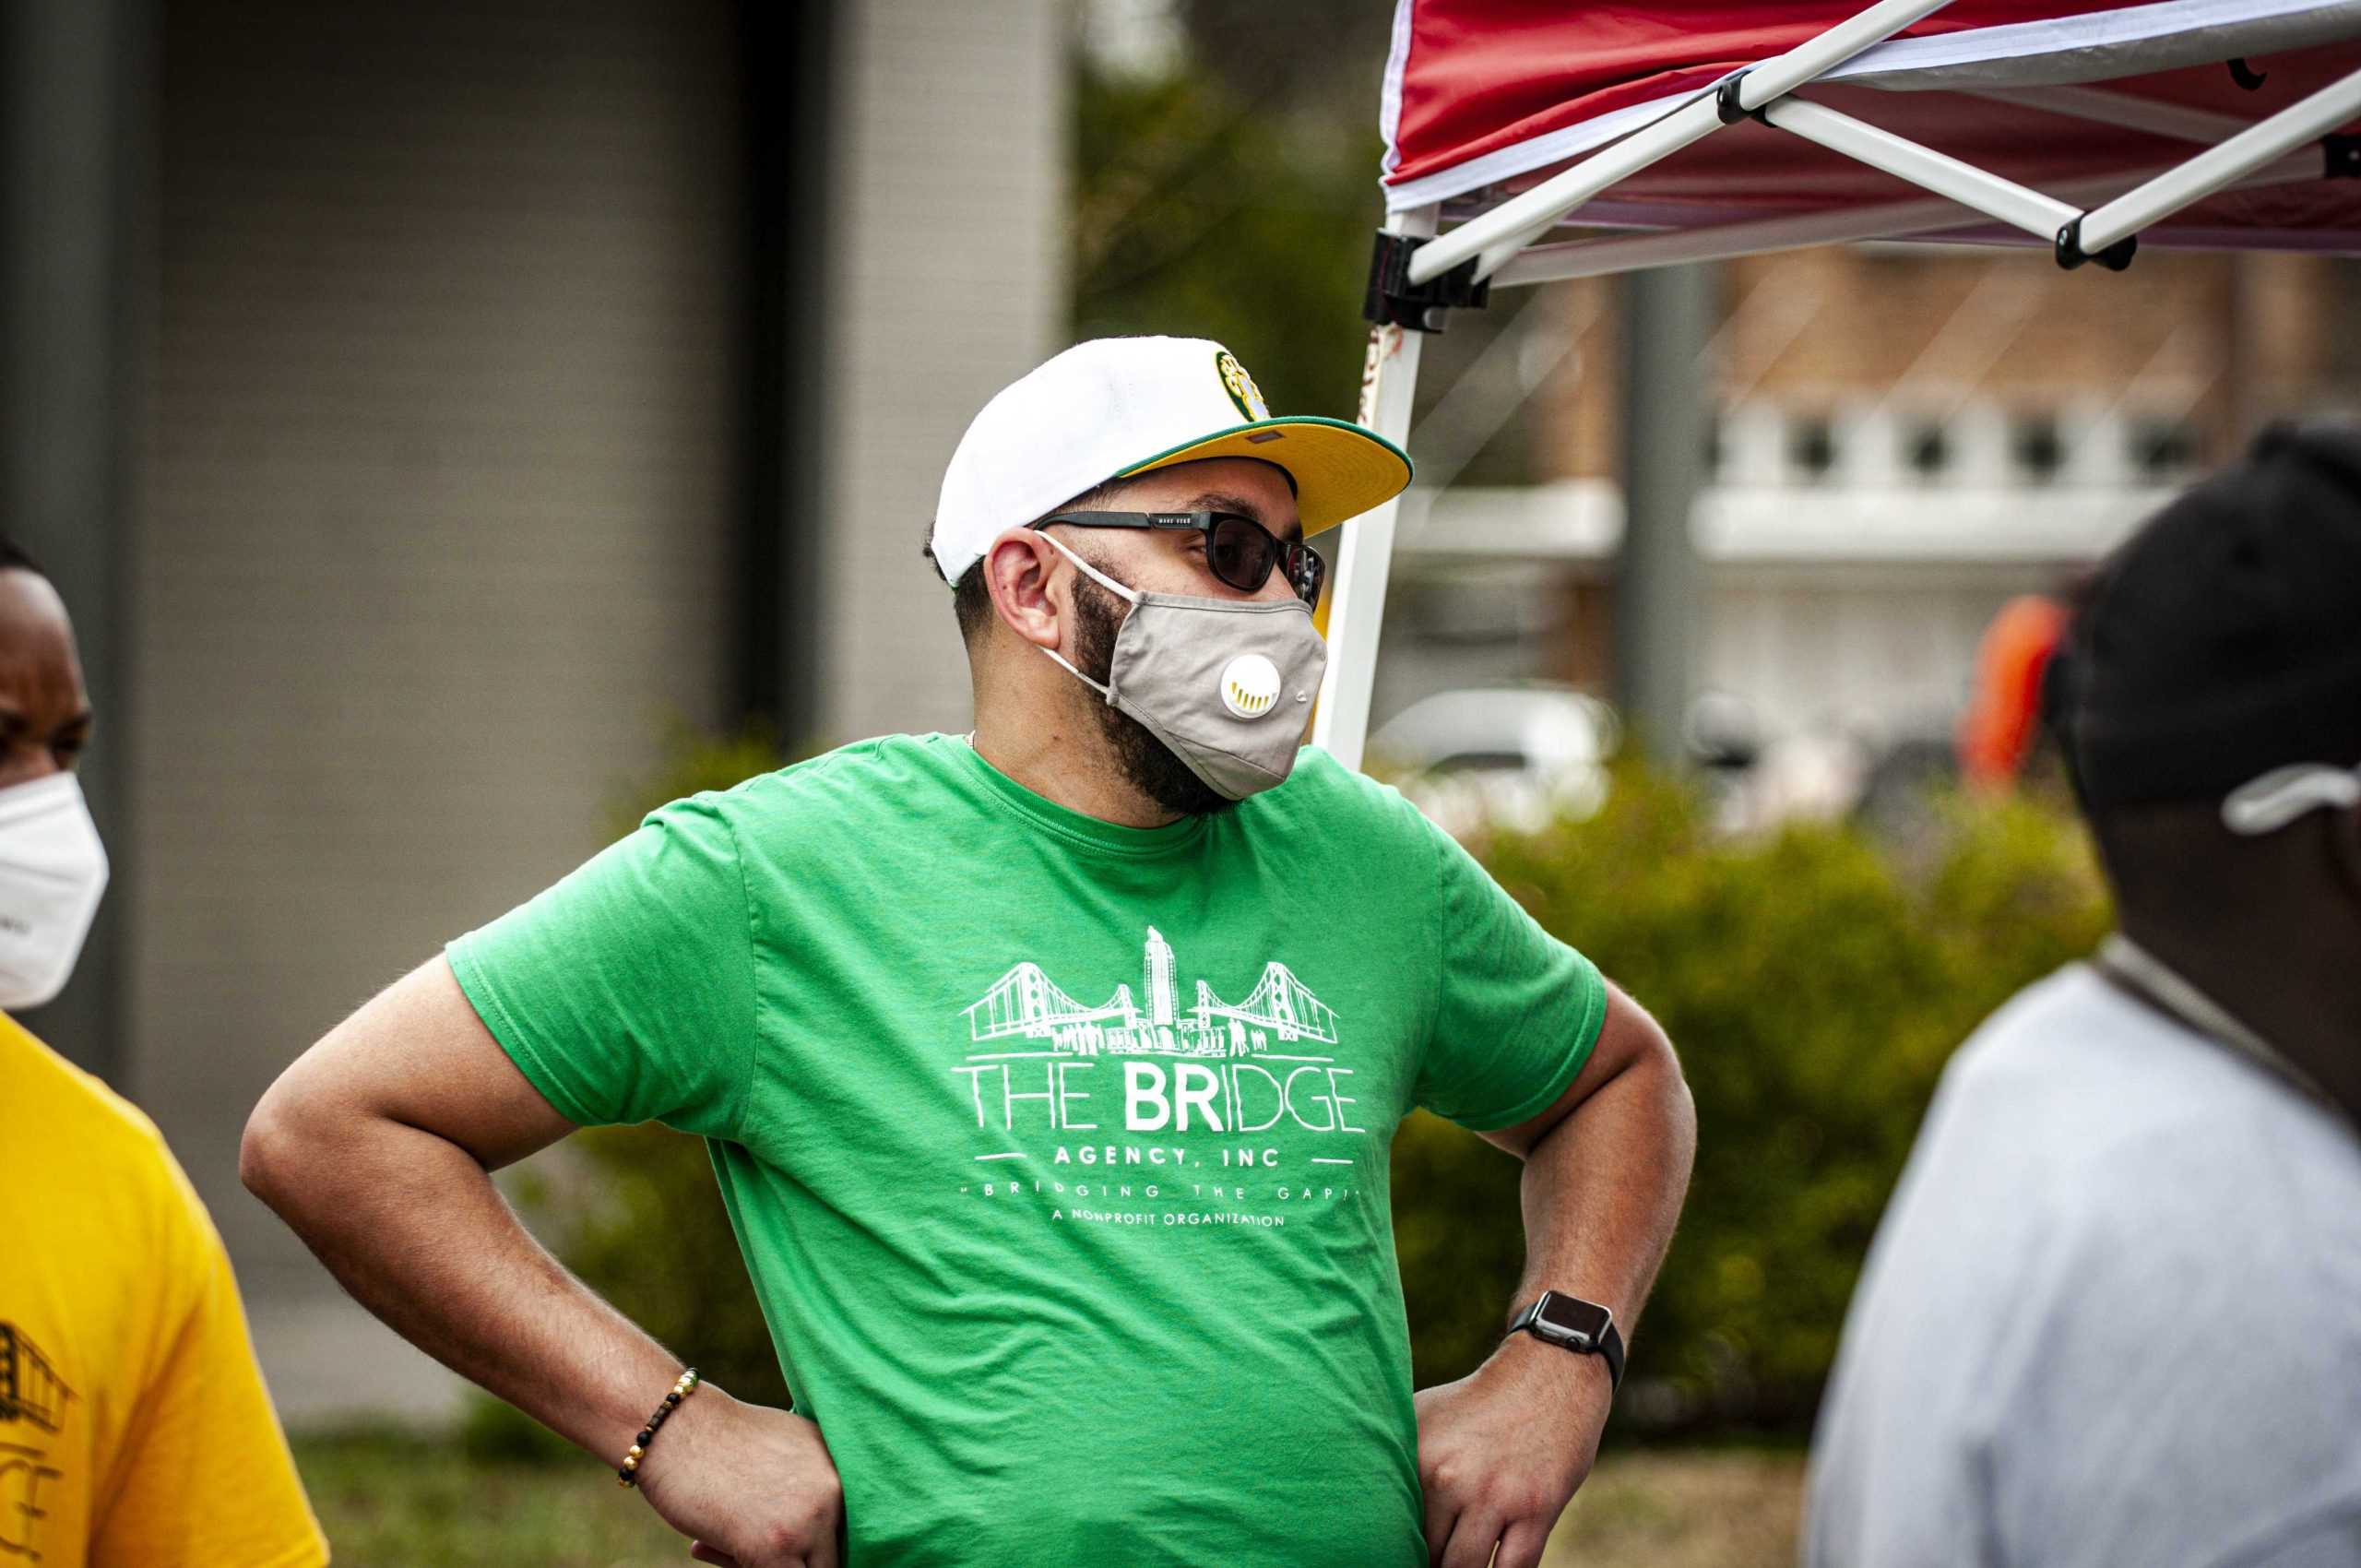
631 1462
637 1451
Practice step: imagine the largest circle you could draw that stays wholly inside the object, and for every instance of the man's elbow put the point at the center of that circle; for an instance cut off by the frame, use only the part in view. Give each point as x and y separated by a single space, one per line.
1654 1064
271 1153
1678 1105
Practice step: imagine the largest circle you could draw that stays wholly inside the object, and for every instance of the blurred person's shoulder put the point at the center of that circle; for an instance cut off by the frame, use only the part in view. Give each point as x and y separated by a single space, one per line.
2190 1284
87 1164
2162 1178
2099 1080
48 1104
117 1238
126 1354
2088 1145
2108 1312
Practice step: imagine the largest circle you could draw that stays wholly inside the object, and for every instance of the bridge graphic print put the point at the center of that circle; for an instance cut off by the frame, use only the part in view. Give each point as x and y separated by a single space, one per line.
1025 1004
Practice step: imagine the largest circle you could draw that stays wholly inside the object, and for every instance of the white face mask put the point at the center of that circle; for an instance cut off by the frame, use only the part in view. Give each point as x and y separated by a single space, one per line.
53 869
1225 683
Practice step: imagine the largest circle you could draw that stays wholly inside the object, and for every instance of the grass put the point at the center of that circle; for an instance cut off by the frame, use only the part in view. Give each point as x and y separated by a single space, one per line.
392 1501
1670 1509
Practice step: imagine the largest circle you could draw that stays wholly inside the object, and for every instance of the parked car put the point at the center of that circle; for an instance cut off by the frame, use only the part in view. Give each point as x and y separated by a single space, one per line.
1518 756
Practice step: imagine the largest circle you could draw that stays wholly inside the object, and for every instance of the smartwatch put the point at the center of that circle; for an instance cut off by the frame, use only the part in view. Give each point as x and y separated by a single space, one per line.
1584 1328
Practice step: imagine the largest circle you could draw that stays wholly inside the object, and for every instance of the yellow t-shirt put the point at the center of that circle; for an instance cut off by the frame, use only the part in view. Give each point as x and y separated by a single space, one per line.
133 1426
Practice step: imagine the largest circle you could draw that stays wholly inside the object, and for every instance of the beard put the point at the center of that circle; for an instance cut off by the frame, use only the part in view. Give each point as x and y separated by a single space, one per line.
1145 763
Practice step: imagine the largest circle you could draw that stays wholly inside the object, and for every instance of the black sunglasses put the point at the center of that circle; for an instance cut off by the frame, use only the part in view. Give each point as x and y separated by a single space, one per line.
1240 551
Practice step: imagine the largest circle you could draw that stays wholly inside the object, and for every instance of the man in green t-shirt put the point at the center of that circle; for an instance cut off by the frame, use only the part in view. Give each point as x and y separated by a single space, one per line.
1048 1072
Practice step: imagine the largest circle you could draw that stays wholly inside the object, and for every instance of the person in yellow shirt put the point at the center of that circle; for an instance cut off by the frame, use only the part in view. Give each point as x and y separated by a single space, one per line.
133 1425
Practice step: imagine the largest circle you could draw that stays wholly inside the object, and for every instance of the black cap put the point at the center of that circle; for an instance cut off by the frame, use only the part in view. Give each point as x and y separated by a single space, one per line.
2224 638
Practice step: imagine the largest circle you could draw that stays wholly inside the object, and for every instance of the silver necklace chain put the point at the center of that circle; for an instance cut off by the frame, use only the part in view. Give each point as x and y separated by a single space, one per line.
2150 976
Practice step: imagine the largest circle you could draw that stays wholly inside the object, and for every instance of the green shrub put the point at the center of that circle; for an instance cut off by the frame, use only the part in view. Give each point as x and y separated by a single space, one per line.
1814 982
1813 979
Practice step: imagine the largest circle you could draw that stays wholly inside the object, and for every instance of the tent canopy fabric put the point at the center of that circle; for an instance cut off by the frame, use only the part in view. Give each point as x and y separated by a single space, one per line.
1484 99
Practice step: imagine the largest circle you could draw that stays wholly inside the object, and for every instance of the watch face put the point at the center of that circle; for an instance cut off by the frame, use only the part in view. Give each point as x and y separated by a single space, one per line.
1565 1317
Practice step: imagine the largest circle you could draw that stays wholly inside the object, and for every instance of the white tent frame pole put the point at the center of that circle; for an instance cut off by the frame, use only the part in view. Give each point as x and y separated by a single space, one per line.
1600 258
1546 203
2209 171
1510 226
1365 545
1693 122
2014 203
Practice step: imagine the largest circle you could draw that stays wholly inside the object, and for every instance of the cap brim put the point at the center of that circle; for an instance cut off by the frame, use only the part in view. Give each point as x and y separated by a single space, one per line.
1340 469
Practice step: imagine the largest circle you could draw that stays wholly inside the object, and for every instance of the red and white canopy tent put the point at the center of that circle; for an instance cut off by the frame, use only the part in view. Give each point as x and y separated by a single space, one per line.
1560 140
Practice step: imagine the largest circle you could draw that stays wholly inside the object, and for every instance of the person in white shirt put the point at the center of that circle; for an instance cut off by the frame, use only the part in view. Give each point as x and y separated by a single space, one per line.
2113 1313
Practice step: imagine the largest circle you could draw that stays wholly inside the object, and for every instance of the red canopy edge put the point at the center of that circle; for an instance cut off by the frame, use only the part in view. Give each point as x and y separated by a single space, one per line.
1488 97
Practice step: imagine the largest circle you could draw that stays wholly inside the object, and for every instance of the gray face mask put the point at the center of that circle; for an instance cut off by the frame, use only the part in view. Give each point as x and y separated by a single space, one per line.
1225 683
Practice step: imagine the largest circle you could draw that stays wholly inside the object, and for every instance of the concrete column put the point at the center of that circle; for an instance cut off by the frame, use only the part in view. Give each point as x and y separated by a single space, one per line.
1659 600
946 280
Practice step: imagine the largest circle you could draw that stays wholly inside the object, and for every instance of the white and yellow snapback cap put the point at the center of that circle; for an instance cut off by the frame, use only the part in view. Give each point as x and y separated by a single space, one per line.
1115 407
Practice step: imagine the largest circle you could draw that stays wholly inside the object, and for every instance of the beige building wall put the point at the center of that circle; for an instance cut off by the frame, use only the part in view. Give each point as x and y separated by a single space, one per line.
947 252
436 532
436 518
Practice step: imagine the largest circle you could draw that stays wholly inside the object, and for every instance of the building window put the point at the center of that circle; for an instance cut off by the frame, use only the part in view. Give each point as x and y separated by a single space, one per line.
2162 449
2040 449
1927 449
1811 447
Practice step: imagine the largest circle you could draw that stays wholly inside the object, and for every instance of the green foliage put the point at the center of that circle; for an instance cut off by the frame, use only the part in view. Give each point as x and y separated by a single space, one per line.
1815 983
1198 214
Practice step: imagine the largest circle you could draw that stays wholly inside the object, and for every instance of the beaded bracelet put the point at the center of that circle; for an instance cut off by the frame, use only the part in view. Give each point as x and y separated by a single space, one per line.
629 1474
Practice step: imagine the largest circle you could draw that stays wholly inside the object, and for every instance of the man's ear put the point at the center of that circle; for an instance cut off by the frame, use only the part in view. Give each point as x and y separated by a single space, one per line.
1017 566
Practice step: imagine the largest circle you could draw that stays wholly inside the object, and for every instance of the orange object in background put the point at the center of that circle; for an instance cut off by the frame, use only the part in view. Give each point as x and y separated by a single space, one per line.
2004 714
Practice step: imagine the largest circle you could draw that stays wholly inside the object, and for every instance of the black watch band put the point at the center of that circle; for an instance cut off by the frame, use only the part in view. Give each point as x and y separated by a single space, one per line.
1572 1324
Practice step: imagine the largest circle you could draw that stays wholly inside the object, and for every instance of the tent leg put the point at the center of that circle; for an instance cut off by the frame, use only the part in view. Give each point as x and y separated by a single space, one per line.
1365 548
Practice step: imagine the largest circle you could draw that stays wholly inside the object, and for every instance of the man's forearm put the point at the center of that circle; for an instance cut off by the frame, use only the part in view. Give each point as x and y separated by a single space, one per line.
1502 1450
1603 1187
415 1229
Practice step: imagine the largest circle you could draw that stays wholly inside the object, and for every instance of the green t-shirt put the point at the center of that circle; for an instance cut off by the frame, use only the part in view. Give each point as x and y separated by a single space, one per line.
1057 1149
